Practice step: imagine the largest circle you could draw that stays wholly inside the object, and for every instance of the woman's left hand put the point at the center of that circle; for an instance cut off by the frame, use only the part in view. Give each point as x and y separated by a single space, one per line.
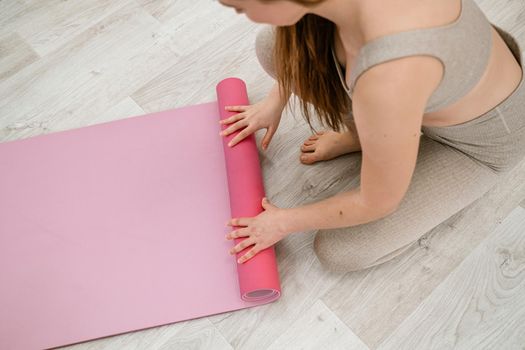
262 231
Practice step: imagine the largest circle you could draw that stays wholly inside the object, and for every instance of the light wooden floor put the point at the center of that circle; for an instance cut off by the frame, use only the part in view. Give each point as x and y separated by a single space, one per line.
68 64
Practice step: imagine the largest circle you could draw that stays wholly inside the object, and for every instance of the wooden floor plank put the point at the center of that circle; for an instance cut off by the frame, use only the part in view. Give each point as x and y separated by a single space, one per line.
15 54
47 25
93 72
318 328
481 304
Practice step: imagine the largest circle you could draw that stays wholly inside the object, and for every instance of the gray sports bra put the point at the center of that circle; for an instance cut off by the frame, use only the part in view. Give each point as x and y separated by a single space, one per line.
463 47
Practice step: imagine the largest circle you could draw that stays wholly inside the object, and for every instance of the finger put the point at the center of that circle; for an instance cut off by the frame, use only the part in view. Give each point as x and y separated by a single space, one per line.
235 108
267 137
232 119
266 204
239 222
237 233
306 148
233 128
239 137
251 253
309 142
240 247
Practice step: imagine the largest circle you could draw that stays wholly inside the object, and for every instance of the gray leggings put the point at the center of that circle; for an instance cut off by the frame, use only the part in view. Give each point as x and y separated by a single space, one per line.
456 165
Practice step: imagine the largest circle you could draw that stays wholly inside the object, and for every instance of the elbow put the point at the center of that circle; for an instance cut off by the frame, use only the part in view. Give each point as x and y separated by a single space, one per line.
385 211
390 209
382 209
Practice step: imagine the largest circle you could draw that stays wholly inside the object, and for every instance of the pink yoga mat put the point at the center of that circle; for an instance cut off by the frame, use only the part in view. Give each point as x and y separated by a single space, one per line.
120 226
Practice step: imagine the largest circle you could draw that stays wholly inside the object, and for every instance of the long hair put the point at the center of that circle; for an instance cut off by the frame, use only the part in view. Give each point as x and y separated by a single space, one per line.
304 65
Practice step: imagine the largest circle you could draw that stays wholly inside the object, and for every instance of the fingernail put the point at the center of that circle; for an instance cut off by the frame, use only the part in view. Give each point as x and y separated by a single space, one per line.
239 261
229 144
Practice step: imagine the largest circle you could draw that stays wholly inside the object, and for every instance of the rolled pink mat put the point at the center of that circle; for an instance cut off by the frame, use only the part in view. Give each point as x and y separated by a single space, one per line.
120 226
258 276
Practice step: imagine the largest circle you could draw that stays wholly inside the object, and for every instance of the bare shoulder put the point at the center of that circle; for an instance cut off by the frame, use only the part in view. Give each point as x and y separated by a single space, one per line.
379 17
406 82
416 76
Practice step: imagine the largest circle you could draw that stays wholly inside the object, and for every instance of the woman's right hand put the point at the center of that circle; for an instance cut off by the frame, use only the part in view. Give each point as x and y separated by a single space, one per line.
263 114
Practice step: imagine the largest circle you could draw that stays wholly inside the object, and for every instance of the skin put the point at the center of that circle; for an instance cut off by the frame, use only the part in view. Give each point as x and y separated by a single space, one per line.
388 116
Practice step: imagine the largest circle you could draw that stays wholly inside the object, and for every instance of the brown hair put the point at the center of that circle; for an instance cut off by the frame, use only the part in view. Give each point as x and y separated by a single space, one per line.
304 65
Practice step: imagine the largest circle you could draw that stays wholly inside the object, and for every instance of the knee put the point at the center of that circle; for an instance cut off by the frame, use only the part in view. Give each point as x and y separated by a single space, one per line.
338 254
264 45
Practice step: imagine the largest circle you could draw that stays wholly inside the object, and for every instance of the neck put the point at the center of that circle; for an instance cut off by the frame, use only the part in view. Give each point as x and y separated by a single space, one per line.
345 14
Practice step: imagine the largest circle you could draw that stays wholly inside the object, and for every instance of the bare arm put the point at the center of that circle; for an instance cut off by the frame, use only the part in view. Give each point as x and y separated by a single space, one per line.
389 118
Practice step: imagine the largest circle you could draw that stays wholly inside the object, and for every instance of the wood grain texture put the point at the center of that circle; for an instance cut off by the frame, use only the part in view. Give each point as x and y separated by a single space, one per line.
480 305
47 25
94 71
330 332
15 54
69 64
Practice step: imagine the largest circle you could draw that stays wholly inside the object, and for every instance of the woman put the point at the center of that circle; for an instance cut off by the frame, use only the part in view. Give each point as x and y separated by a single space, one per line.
439 67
